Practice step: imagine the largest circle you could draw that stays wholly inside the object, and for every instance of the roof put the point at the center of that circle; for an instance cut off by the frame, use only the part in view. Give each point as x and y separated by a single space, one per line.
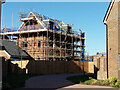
44 21
45 18
43 25
108 10
13 50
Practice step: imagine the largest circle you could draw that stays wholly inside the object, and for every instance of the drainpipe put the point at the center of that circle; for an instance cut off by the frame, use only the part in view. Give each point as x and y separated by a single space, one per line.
107 48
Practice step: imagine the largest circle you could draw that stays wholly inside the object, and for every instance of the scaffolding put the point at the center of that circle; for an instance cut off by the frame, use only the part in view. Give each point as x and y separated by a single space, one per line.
49 40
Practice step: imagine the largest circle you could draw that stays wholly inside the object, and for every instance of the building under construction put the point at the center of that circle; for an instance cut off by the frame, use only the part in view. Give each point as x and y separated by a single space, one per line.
44 38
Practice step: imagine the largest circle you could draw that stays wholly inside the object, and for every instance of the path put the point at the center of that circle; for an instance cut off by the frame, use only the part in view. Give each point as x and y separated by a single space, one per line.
57 81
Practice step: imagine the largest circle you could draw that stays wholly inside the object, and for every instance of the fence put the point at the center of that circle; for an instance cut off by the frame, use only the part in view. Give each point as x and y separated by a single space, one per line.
53 67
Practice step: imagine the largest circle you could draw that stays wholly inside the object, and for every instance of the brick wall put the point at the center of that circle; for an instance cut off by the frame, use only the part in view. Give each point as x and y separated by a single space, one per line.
102 73
113 41
100 66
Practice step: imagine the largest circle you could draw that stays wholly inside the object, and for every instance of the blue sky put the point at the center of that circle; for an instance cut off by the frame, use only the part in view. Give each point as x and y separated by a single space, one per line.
58 0
87 16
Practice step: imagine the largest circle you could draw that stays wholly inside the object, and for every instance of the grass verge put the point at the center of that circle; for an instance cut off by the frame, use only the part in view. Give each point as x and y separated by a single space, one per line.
89 80
79 79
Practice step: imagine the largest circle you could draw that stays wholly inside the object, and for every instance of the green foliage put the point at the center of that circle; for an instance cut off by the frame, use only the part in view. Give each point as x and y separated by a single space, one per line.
78 79
91 81
105 82
6 85
117 84
88 82
94 81
90 78
112 81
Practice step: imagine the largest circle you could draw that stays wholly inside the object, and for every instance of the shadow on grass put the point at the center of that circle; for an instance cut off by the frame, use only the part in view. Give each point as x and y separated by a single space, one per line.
79 79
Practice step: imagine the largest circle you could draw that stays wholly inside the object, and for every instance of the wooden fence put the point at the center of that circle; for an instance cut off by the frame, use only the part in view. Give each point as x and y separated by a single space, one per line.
51 67
54 67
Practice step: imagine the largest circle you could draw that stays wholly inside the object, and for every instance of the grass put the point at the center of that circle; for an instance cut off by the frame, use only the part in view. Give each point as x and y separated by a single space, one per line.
89 80
79 79
15 80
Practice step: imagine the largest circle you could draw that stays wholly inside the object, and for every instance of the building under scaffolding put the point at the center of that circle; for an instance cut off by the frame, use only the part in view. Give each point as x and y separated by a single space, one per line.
44 38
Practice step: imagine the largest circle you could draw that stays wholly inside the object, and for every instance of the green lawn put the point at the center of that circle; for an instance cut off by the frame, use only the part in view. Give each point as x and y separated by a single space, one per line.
89 80
79 79
15 80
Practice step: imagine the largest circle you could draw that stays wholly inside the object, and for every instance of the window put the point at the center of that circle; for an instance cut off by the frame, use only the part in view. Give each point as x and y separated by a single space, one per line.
38 43
24 44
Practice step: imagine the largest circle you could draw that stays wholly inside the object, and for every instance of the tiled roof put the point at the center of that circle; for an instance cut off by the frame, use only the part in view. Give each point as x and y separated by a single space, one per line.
13 50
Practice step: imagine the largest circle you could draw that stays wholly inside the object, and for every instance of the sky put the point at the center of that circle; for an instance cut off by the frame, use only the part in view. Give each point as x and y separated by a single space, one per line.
58 0
87 16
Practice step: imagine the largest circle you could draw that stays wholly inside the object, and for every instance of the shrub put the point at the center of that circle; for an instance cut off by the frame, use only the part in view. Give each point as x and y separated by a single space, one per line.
112 81
88 82
117 84
6 85
94 81
105 82
90 78
91 82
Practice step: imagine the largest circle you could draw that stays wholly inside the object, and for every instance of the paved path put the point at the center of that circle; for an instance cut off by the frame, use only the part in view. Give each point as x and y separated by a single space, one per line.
84 86
57 81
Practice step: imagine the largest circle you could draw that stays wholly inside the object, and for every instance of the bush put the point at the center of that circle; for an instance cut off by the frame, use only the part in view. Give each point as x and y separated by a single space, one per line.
90 78
6 85
91 82
94 81
117 84
105 82
88 82
112 81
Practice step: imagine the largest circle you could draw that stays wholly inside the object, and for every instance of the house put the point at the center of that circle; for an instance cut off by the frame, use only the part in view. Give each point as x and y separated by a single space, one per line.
9 50
112 22
44 38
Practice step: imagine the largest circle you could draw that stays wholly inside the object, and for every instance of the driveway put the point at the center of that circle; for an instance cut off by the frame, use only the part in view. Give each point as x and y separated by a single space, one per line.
57 81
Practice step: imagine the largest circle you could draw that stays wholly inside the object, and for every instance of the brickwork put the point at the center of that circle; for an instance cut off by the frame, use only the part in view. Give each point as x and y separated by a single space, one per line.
113 41
100 66
102 73
96 60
